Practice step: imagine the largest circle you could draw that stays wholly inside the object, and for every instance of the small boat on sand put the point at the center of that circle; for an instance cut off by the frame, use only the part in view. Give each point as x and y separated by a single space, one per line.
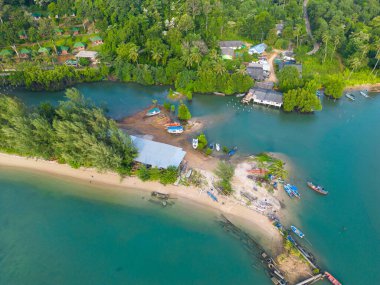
217 147
332 279
297 231
232 151
153 112
212 196
318 188
172 125
350 96
195 143
364 94
160 195
175 130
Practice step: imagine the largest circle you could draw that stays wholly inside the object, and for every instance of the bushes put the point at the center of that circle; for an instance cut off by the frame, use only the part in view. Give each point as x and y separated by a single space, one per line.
165 176
334 86
303 99
225 171
202 141
183 112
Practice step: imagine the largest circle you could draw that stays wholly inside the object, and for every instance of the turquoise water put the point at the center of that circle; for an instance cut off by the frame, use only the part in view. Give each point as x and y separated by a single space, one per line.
337 148
51 236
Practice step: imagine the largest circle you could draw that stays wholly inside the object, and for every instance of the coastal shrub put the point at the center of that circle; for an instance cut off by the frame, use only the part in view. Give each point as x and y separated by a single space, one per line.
169 175
225 171
208 151
167 106
289 78
172 108
155 174
202 141
334 86
84 61
303 99
225 149
143 173
183 112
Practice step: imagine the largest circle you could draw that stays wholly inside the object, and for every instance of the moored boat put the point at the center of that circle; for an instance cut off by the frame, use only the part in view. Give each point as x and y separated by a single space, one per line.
288 190
318 188
217 147
212 196
175 130
297 231
152 112
364 94
232 151
332 279
240 95
172 125
350 96
195 143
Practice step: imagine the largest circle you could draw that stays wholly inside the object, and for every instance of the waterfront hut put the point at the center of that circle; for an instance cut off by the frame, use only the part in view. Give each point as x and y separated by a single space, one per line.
256 71
266 97
75 31
6 53
156 154
63 50
58 31
44 50
228 48
22 35
79 46
96 40
25 53
258 49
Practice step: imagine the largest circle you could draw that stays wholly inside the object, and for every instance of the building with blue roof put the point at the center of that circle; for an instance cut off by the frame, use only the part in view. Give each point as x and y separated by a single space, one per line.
258 49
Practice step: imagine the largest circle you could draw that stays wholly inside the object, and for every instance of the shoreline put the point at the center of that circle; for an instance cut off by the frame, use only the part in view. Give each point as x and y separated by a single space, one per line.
256 224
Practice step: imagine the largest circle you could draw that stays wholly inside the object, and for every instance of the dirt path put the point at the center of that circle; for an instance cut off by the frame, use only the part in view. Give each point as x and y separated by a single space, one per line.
272 76
308 29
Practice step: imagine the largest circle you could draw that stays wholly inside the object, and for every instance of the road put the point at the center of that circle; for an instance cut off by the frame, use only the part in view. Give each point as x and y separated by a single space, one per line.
308 29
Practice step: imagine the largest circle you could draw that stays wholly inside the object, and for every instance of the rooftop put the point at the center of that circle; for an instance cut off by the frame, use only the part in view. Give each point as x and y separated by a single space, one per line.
230 44
87 54
266 95
157 154
96 38
227 51
260 48
79 44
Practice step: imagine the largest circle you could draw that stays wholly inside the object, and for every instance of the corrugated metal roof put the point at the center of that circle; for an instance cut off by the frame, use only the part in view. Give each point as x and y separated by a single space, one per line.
157 154
230 44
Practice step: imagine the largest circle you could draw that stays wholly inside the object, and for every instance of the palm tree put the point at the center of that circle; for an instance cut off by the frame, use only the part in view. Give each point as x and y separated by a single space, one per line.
213 54
187 58
336 43
325 40
297 32
219 68
354 63
377 57
195 55
156 56
242 70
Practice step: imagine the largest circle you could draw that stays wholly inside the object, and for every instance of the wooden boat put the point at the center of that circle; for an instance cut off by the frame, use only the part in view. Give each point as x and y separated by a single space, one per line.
297 231
153 112
217 147
350 96
172 125
160 195
318 189
232 151
364 94
332 279
175 130
195 143
240 95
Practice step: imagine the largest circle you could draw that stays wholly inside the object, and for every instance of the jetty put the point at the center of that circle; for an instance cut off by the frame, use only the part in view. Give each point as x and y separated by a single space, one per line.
311 280
264 96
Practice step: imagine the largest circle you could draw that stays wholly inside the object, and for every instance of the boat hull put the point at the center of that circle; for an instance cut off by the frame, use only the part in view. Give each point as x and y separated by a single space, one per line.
317 189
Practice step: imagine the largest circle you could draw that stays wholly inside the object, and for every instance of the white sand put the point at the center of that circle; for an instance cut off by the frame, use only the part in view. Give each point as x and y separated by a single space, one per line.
253 222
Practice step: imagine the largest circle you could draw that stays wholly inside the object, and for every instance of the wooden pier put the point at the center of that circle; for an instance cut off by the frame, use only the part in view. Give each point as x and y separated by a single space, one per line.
311 280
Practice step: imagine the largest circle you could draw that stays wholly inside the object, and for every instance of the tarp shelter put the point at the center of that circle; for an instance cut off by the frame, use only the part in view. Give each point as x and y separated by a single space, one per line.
157 154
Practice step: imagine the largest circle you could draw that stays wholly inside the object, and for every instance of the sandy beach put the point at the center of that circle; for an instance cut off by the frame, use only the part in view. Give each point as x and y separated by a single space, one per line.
259 226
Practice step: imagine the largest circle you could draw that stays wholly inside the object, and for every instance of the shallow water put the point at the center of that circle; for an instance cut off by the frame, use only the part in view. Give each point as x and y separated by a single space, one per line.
337 148
49 235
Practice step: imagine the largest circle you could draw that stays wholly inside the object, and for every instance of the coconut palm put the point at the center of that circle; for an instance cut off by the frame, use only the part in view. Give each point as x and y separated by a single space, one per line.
219 68
354 64
195 55
336 42
325 39
242 70
156 56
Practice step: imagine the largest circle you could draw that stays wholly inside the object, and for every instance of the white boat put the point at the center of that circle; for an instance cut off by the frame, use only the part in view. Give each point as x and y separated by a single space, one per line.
364 94
350 96
217 147
175 130
195 143
152 112
240 95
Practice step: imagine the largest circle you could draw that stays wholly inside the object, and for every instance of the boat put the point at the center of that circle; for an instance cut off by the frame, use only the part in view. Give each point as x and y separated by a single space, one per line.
350 96
175 130
258 171
364 94
318 189
212 196
153 112
332 279
211 146
295 191
289 238
195 143
232 151
297 231
217 147
240 95
160 195
172 125
288 190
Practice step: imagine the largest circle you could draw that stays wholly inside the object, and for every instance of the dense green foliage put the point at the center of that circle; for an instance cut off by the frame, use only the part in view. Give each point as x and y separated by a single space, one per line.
289 78
164 176
225 171
76 132
202 141
334 86
183 112
303 99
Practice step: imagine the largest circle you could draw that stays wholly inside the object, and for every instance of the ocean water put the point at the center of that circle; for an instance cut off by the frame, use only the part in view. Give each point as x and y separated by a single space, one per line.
53 231
337 148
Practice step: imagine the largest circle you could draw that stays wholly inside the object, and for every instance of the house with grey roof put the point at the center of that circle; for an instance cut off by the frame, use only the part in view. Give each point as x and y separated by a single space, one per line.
228 48
266 97
256 71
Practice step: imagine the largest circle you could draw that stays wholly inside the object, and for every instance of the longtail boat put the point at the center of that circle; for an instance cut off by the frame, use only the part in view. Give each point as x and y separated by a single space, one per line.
318 189
175 130
172 125
297 231
332 279
152 112
212 196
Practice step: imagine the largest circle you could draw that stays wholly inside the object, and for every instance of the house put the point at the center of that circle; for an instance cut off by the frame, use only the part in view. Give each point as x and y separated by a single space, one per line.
79 46
258 49
279 28
75 31
44 50
36 16
266 97
6 53
22 35
63 50
58 31
256 71
96 40
156 154
228 48
25 53
91 55
71 62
